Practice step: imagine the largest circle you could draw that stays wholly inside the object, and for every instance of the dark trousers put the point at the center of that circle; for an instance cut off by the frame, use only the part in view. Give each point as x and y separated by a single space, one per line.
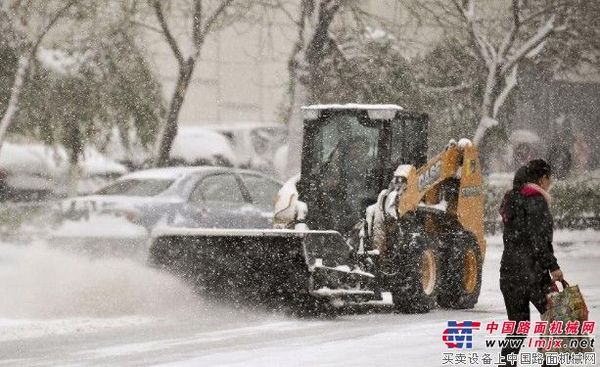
517 297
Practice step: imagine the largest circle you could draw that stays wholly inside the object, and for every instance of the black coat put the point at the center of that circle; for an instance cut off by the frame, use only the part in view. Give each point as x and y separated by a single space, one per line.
528 255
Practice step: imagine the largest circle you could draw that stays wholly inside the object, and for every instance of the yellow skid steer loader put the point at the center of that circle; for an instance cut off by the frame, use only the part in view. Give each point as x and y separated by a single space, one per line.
368 214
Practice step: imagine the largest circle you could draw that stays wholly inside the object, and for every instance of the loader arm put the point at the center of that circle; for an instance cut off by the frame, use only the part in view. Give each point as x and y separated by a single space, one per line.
458 163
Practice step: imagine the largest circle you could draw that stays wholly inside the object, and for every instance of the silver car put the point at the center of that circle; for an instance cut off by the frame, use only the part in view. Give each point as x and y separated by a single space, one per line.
209 197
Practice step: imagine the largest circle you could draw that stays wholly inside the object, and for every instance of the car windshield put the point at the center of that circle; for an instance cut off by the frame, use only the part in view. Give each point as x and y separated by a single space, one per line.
137 187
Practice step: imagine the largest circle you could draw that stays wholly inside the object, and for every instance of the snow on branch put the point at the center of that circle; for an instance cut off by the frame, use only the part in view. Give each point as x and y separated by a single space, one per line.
486 50
542 33
510 81
485 123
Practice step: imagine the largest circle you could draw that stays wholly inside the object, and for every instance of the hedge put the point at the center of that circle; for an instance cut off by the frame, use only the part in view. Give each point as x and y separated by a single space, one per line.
575 204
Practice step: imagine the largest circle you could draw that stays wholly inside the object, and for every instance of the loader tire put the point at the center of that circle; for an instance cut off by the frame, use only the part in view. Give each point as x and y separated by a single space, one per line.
414 285
461 265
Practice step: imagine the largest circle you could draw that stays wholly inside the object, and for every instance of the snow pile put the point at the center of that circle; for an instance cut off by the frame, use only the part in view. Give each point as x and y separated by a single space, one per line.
134 151
61 62
192 144
39 283
43 160
95 163
21 158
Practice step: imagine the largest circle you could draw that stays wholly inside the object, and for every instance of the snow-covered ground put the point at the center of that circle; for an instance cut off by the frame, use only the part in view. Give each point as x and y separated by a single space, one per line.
59 309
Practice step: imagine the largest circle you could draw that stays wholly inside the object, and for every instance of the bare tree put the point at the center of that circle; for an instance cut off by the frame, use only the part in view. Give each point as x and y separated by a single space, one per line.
526 36
203 23
502 35
314 21
27 25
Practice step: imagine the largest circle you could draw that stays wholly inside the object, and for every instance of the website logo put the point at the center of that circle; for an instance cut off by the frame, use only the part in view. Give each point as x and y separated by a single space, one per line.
459 335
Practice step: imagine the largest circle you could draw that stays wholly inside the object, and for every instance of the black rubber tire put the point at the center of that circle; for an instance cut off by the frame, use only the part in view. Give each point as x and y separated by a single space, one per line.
414 285
459 287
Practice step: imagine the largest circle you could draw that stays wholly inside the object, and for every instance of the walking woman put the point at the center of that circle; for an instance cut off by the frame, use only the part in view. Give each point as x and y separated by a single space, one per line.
528 266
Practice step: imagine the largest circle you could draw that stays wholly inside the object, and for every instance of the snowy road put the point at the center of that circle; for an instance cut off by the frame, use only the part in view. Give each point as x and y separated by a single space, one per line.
58 309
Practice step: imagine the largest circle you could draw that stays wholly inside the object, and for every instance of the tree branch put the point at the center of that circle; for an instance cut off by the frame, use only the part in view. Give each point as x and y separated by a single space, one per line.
448 89
197 23
549 9
214 16
543 32
147 26
50 24
514 30
171 41
486 50
510 81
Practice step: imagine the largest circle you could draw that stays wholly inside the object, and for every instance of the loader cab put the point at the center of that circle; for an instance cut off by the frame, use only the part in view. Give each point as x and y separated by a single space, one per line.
349 154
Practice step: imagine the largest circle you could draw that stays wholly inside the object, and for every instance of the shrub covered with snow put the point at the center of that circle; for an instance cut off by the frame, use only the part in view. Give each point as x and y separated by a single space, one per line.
575 203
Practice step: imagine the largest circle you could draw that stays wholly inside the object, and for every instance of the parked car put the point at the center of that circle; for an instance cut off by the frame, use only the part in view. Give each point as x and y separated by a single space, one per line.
35 171
255 144
192 146
205 196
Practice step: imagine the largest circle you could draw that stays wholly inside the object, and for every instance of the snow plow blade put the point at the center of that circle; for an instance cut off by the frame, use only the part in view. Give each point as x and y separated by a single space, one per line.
268 264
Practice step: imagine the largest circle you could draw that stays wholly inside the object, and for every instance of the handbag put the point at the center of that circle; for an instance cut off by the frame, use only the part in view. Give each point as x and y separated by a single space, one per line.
566 306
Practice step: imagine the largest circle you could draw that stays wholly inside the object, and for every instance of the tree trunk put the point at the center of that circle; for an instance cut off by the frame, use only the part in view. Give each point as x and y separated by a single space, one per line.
308 81
487 118
295 130
16 91
170 129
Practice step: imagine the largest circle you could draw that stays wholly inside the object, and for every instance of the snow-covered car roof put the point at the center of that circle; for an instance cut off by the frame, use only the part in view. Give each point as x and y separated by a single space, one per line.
169 173
174 173
353 106
375 111
243 125
193 143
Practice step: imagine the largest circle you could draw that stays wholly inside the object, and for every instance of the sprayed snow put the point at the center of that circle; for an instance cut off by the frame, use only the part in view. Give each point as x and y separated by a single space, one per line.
48 291
253 339
103 226
18 329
